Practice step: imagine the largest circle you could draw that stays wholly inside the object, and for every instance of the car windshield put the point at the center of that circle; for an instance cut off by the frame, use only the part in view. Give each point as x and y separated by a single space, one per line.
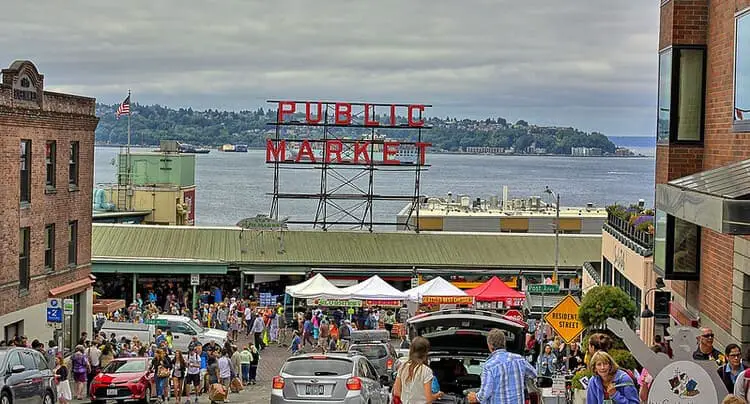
125 367
196 326
318 367
370 351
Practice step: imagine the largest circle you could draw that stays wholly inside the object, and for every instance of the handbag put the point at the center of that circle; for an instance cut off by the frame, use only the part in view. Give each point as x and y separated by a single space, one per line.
162 372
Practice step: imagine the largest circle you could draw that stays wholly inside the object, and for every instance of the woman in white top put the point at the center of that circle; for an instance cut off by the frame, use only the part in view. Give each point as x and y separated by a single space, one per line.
414 381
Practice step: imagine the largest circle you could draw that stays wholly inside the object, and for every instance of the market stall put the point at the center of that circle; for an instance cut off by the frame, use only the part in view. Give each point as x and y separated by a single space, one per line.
495 294
438 291
374 289
314 288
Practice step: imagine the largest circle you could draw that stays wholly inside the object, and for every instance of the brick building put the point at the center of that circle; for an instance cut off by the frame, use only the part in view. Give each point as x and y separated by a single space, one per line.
45 225
702 167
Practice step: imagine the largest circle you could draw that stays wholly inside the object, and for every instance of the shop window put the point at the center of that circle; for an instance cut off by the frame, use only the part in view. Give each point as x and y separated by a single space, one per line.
73 243
742 73
49 247
24 261
681 94
25 168
50 161
677 248
73 164
14 330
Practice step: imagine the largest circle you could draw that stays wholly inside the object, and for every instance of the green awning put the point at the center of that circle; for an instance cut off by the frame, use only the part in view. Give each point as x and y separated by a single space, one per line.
166 268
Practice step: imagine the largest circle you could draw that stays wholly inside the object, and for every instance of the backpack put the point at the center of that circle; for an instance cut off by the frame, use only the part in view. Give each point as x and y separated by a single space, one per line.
632 377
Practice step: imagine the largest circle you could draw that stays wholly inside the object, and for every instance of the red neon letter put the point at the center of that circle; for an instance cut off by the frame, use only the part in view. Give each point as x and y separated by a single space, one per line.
368 122
318 116
278 152
285 111
393 115
390 149
333 147
361 149
422 147
412 122
343 113
305 149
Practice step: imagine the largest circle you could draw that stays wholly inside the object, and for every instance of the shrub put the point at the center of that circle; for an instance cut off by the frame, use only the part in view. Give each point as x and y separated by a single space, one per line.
576 381
603 302
624 359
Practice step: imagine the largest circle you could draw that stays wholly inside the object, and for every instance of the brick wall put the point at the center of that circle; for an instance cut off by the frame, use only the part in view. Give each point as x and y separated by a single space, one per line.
46 208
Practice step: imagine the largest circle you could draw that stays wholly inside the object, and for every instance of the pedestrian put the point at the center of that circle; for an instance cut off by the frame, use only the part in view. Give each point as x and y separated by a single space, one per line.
547 366
254 364
294 346
610 384
179 370
194 372
64 394
414 381
504 375
246 357
161 367
80 370
225 371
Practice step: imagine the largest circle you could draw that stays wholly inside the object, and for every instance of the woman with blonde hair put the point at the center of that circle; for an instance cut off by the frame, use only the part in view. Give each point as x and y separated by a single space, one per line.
414 381
64 395
609 384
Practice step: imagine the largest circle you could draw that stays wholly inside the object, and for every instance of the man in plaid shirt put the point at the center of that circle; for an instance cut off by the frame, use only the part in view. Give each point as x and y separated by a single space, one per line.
504 375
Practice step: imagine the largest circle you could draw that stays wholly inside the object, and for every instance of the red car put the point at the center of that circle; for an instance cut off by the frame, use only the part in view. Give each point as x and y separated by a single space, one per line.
124 379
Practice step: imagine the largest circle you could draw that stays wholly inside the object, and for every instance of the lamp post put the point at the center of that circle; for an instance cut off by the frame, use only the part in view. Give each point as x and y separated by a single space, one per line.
647 313
557 230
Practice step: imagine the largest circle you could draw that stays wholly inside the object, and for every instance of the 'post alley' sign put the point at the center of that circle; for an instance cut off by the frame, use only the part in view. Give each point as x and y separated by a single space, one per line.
365 150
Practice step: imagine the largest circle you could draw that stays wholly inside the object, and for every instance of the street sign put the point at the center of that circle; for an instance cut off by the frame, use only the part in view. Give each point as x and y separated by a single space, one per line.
159 322
68 307
539 289
564 319
414 282
54 311
195 279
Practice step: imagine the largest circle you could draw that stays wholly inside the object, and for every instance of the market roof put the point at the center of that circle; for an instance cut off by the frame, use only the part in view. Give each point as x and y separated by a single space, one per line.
147 243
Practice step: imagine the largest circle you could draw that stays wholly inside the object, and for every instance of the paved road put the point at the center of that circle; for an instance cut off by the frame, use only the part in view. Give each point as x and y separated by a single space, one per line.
271 360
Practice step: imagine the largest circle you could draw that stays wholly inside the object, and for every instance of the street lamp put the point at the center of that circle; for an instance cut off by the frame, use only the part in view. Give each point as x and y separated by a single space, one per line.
647 313
557 230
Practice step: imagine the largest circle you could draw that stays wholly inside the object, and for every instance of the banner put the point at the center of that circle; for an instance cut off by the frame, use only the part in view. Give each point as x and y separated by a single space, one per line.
334 302
447 299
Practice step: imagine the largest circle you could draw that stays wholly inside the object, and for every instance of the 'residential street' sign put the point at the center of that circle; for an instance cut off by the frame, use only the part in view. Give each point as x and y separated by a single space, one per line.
564 319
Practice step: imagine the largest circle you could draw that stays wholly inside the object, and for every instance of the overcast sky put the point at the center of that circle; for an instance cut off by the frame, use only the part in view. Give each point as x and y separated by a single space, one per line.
585 63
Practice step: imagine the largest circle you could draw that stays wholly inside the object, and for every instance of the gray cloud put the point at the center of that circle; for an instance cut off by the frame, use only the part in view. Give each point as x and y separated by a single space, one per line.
583 63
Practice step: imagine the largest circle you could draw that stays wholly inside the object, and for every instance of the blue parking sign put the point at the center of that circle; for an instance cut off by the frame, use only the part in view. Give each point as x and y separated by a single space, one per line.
54 315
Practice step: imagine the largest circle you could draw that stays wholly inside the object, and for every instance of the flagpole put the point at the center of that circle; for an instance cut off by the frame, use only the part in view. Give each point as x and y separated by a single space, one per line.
127 157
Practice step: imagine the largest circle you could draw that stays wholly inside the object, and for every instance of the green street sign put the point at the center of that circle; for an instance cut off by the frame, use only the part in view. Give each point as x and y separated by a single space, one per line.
159 322
539 289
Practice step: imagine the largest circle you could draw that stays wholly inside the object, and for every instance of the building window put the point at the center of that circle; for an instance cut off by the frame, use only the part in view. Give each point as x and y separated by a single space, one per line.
73 242
24 264
681 94
628 287
49 247
606 272
26 171
742 73
73 164
677 248
50 161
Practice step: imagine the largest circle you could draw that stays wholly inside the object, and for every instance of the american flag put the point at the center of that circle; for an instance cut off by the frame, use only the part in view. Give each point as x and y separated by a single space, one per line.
124 108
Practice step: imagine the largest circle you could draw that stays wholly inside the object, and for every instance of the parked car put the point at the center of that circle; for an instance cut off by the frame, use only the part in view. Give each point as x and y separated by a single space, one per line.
27 377
458 347
124 379
375 345
336 378
182 328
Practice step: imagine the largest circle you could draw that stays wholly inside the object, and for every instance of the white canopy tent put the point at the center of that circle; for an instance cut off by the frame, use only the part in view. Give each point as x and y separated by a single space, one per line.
315 288
435 287
374 288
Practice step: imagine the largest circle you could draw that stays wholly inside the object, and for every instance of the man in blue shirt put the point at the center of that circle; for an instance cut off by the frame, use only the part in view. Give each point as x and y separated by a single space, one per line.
504 374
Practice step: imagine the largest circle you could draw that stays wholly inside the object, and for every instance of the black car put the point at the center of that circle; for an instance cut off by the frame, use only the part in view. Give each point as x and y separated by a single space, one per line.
27 377
458 347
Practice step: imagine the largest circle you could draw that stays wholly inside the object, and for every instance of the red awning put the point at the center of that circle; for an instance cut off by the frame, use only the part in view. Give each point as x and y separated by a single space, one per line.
71 288
495 290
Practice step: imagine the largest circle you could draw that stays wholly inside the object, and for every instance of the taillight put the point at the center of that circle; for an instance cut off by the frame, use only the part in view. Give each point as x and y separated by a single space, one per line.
354 383
389 363
278 383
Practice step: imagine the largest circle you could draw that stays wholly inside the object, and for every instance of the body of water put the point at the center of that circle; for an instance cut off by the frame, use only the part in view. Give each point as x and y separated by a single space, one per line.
232 186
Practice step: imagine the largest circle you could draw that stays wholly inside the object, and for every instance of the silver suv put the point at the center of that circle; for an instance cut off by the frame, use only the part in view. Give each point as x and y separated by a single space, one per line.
335 378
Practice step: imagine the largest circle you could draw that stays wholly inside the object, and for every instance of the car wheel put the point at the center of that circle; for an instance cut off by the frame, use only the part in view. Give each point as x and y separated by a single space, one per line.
5 398
147 396
48 399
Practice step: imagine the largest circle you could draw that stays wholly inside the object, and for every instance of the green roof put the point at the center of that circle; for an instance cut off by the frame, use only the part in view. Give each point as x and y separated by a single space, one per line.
339 248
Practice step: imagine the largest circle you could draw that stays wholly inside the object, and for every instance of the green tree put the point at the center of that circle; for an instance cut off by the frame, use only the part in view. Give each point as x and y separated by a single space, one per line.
603 302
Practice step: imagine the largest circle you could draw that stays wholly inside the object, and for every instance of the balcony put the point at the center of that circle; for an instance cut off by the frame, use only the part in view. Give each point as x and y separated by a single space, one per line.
633 223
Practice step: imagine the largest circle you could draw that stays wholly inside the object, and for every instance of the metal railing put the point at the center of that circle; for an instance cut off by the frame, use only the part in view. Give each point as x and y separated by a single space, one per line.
641 237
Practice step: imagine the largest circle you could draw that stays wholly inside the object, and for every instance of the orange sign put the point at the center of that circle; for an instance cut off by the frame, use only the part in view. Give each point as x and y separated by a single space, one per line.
447 299
564 319
384 303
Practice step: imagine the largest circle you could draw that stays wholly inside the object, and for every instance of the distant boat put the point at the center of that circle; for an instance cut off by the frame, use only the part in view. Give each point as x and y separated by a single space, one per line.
240 148
188 148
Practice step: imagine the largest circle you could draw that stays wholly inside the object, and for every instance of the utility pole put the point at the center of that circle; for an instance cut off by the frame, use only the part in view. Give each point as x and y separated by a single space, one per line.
557 238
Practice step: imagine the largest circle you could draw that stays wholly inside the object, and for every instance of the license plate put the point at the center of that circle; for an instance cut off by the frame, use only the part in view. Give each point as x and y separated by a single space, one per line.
314 390
111 392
